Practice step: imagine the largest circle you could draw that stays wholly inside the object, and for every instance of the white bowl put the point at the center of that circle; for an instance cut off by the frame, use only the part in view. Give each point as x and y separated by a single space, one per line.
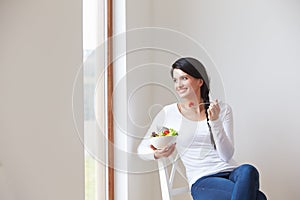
162 141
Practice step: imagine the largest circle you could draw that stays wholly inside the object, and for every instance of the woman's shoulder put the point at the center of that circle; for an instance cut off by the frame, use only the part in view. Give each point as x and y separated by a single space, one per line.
172 107
167 111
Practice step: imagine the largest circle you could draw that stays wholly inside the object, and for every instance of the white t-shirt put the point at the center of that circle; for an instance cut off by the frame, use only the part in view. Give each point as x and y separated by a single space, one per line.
193 142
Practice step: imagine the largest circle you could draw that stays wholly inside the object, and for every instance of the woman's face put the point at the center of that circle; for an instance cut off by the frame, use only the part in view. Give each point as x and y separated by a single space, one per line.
186 86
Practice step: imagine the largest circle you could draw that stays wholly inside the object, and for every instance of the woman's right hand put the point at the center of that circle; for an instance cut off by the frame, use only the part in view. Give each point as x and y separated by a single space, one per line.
164 152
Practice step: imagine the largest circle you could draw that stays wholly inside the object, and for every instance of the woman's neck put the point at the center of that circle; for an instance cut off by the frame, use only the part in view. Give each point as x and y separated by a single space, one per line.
195 106
192 103
193 110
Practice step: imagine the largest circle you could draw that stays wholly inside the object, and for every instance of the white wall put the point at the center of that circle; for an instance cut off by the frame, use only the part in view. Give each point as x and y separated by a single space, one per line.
254 46
41 50
139 14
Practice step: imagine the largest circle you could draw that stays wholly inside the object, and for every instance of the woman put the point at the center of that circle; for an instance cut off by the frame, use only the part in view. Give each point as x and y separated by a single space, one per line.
205 140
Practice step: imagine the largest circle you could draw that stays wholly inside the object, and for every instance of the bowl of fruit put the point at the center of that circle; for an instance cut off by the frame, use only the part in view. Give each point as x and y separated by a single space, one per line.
164 137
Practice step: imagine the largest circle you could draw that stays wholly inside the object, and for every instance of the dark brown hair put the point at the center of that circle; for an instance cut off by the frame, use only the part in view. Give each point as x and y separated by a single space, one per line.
196 69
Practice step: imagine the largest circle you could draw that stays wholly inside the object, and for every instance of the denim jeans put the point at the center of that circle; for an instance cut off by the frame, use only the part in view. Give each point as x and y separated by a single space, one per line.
240 184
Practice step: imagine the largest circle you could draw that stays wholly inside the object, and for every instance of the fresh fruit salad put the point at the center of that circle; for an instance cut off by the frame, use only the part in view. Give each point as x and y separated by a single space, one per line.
165 132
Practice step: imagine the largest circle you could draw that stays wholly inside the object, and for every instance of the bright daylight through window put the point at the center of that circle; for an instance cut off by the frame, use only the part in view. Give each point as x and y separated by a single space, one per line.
93 65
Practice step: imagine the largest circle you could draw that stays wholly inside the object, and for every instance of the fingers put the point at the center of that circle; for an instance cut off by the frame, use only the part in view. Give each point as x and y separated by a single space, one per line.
170 148
214 105
165 152
214 110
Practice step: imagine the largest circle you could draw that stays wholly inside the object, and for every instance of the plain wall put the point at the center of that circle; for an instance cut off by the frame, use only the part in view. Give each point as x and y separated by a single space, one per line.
254 46
41 155
139 14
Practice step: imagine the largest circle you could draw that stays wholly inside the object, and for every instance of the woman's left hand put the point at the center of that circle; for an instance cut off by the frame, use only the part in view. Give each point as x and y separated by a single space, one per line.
213 110
164 152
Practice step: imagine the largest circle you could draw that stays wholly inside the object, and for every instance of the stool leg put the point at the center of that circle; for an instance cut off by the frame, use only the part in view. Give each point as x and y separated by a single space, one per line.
164 180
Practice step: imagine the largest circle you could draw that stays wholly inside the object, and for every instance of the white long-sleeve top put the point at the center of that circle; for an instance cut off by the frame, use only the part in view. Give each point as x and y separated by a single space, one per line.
193 143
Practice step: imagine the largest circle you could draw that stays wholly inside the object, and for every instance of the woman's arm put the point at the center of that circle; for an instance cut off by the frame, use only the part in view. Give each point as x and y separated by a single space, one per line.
148 152
144 149
222 130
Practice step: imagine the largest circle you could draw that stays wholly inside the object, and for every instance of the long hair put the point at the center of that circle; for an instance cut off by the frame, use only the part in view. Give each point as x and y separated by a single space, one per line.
196 69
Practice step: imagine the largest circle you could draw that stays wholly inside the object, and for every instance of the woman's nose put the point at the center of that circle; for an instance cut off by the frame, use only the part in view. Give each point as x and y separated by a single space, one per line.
179 83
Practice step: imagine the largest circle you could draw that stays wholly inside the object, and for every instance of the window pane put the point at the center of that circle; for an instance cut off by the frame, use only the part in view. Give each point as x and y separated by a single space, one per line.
93 37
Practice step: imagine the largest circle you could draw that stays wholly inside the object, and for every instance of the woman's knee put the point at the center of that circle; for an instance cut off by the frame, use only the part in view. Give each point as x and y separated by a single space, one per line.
250 171
247 171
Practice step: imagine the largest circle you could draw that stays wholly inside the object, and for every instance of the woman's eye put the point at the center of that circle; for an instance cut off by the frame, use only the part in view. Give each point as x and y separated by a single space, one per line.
185 78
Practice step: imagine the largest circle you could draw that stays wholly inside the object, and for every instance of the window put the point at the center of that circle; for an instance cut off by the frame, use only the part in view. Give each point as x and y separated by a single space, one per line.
99 78
93 65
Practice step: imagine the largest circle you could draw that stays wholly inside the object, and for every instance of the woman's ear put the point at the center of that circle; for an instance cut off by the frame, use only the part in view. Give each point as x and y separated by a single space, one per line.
200 83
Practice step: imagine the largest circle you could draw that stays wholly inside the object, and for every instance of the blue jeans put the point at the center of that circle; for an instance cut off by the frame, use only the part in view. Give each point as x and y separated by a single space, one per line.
240 184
